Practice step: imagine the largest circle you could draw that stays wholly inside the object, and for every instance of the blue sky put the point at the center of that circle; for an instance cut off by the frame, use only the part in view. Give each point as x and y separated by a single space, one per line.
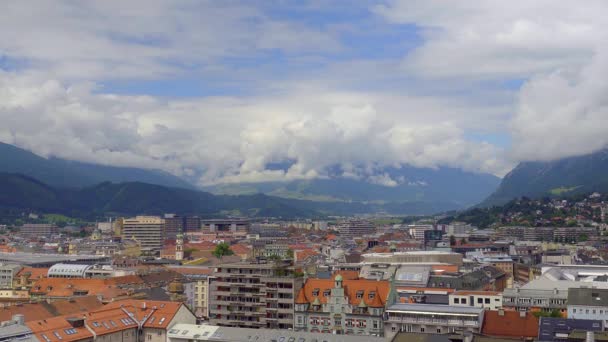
222 91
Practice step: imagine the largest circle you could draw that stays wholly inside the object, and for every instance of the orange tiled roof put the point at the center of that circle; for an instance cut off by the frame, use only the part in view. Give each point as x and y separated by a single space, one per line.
35 273
509 324
351 275
239 249
351 288
166 310
304 254
60 287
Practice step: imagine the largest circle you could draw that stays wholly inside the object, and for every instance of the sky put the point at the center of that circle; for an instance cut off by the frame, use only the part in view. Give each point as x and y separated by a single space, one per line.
222 91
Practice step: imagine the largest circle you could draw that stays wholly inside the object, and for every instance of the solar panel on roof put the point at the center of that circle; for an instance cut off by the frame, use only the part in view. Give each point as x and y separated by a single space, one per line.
57 335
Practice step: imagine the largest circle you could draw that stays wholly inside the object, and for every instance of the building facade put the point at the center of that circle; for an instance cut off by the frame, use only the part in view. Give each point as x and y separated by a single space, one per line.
355 228
39 229
338 306
8 273
479 299
588 303
255 295
432 319
146 230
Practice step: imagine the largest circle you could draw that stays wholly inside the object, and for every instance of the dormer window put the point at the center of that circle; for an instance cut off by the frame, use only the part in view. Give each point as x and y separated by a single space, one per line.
371 295
315 292
326 293
359 294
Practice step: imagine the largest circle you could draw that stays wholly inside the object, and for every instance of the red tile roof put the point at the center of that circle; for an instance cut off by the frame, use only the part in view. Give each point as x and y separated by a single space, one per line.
352 288
509 324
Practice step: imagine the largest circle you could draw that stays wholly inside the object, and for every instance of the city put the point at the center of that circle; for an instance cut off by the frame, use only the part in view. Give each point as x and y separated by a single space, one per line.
303 171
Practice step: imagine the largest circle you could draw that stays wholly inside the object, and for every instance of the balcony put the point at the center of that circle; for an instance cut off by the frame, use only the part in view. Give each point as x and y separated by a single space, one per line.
434 321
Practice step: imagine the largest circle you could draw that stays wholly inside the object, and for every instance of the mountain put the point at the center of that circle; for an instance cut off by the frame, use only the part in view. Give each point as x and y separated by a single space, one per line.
457 188
73 174
563 177
133 198
23 193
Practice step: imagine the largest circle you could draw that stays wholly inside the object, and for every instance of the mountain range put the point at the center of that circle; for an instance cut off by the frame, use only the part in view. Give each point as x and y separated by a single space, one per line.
562 177
74 174
415 191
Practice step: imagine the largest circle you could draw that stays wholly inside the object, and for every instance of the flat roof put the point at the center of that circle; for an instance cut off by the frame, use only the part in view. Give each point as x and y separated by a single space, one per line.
184 331
435 309
40 258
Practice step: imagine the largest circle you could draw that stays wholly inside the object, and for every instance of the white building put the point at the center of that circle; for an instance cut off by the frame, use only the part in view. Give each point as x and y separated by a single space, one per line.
588 303
479 299
417 230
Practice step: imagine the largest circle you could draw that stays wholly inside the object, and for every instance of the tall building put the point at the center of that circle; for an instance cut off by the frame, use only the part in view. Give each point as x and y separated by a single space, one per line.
8 272
146 230
227 225
39 229
173 225
254 295
192 224
355 228
417 230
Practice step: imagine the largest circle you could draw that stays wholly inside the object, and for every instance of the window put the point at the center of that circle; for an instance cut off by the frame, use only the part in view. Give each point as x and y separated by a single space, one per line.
463 301
359 294
337 322
96 324
421 329
372 295
149 337
487 300
479 300
70 331
439 330
456 300
375 324
57 335
574 310
326 293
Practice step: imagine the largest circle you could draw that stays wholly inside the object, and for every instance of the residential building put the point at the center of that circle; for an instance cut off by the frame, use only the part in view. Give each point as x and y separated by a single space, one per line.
355 228
480 299
8 273
256 295
16 330
146 230
416 231
519 325
342 306
201 276
545 300
173 224
121 321
432 319
39 229
588 303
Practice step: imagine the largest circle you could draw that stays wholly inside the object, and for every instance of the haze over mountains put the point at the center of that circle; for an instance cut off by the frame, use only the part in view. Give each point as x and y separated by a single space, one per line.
562 177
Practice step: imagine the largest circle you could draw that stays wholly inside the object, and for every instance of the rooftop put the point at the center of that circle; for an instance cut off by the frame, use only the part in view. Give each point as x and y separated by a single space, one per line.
435 309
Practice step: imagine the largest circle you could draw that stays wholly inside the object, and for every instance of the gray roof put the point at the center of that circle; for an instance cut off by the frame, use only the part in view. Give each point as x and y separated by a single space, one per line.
13 332
224 334
48 259
588 297
68 270
548 326
435 309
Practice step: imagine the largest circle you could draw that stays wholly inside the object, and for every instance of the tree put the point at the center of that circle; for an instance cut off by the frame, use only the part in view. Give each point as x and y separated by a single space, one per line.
452 240
222 249
463 241
290 254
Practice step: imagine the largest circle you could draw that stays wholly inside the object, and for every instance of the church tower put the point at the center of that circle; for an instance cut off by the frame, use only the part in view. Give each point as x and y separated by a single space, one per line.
179 247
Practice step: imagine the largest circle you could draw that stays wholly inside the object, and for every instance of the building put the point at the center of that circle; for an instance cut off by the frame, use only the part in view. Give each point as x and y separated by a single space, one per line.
173 224
124 321
255 295
480 299
432 319
8 273
588 303
191 332
414 257
201 277
16 330
39 229
225 225
545 300
355 228
146 230
342 306
416 231
518 325
192 224
558 329
82 271
48 260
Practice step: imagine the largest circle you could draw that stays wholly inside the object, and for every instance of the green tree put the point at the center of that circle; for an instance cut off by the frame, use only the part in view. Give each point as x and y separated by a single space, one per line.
452 240
290 254
222 249
463 241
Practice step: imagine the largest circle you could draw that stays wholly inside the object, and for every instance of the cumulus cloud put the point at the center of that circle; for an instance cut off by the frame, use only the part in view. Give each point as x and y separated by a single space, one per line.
336 106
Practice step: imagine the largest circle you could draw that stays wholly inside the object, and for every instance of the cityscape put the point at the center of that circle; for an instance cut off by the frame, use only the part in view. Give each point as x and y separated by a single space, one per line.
303 171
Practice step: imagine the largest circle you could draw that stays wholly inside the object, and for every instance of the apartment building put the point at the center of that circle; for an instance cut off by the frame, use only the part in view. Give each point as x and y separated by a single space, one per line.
355 228
121 321
254 295
588 303
8 273
225 225
39 229
343 306
146 230
414 257
201 277
545 300
432 319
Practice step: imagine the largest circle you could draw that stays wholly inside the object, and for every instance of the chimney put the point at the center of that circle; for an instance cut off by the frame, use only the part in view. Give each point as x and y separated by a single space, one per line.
590 336
143 306
522 314
19 319
501 312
